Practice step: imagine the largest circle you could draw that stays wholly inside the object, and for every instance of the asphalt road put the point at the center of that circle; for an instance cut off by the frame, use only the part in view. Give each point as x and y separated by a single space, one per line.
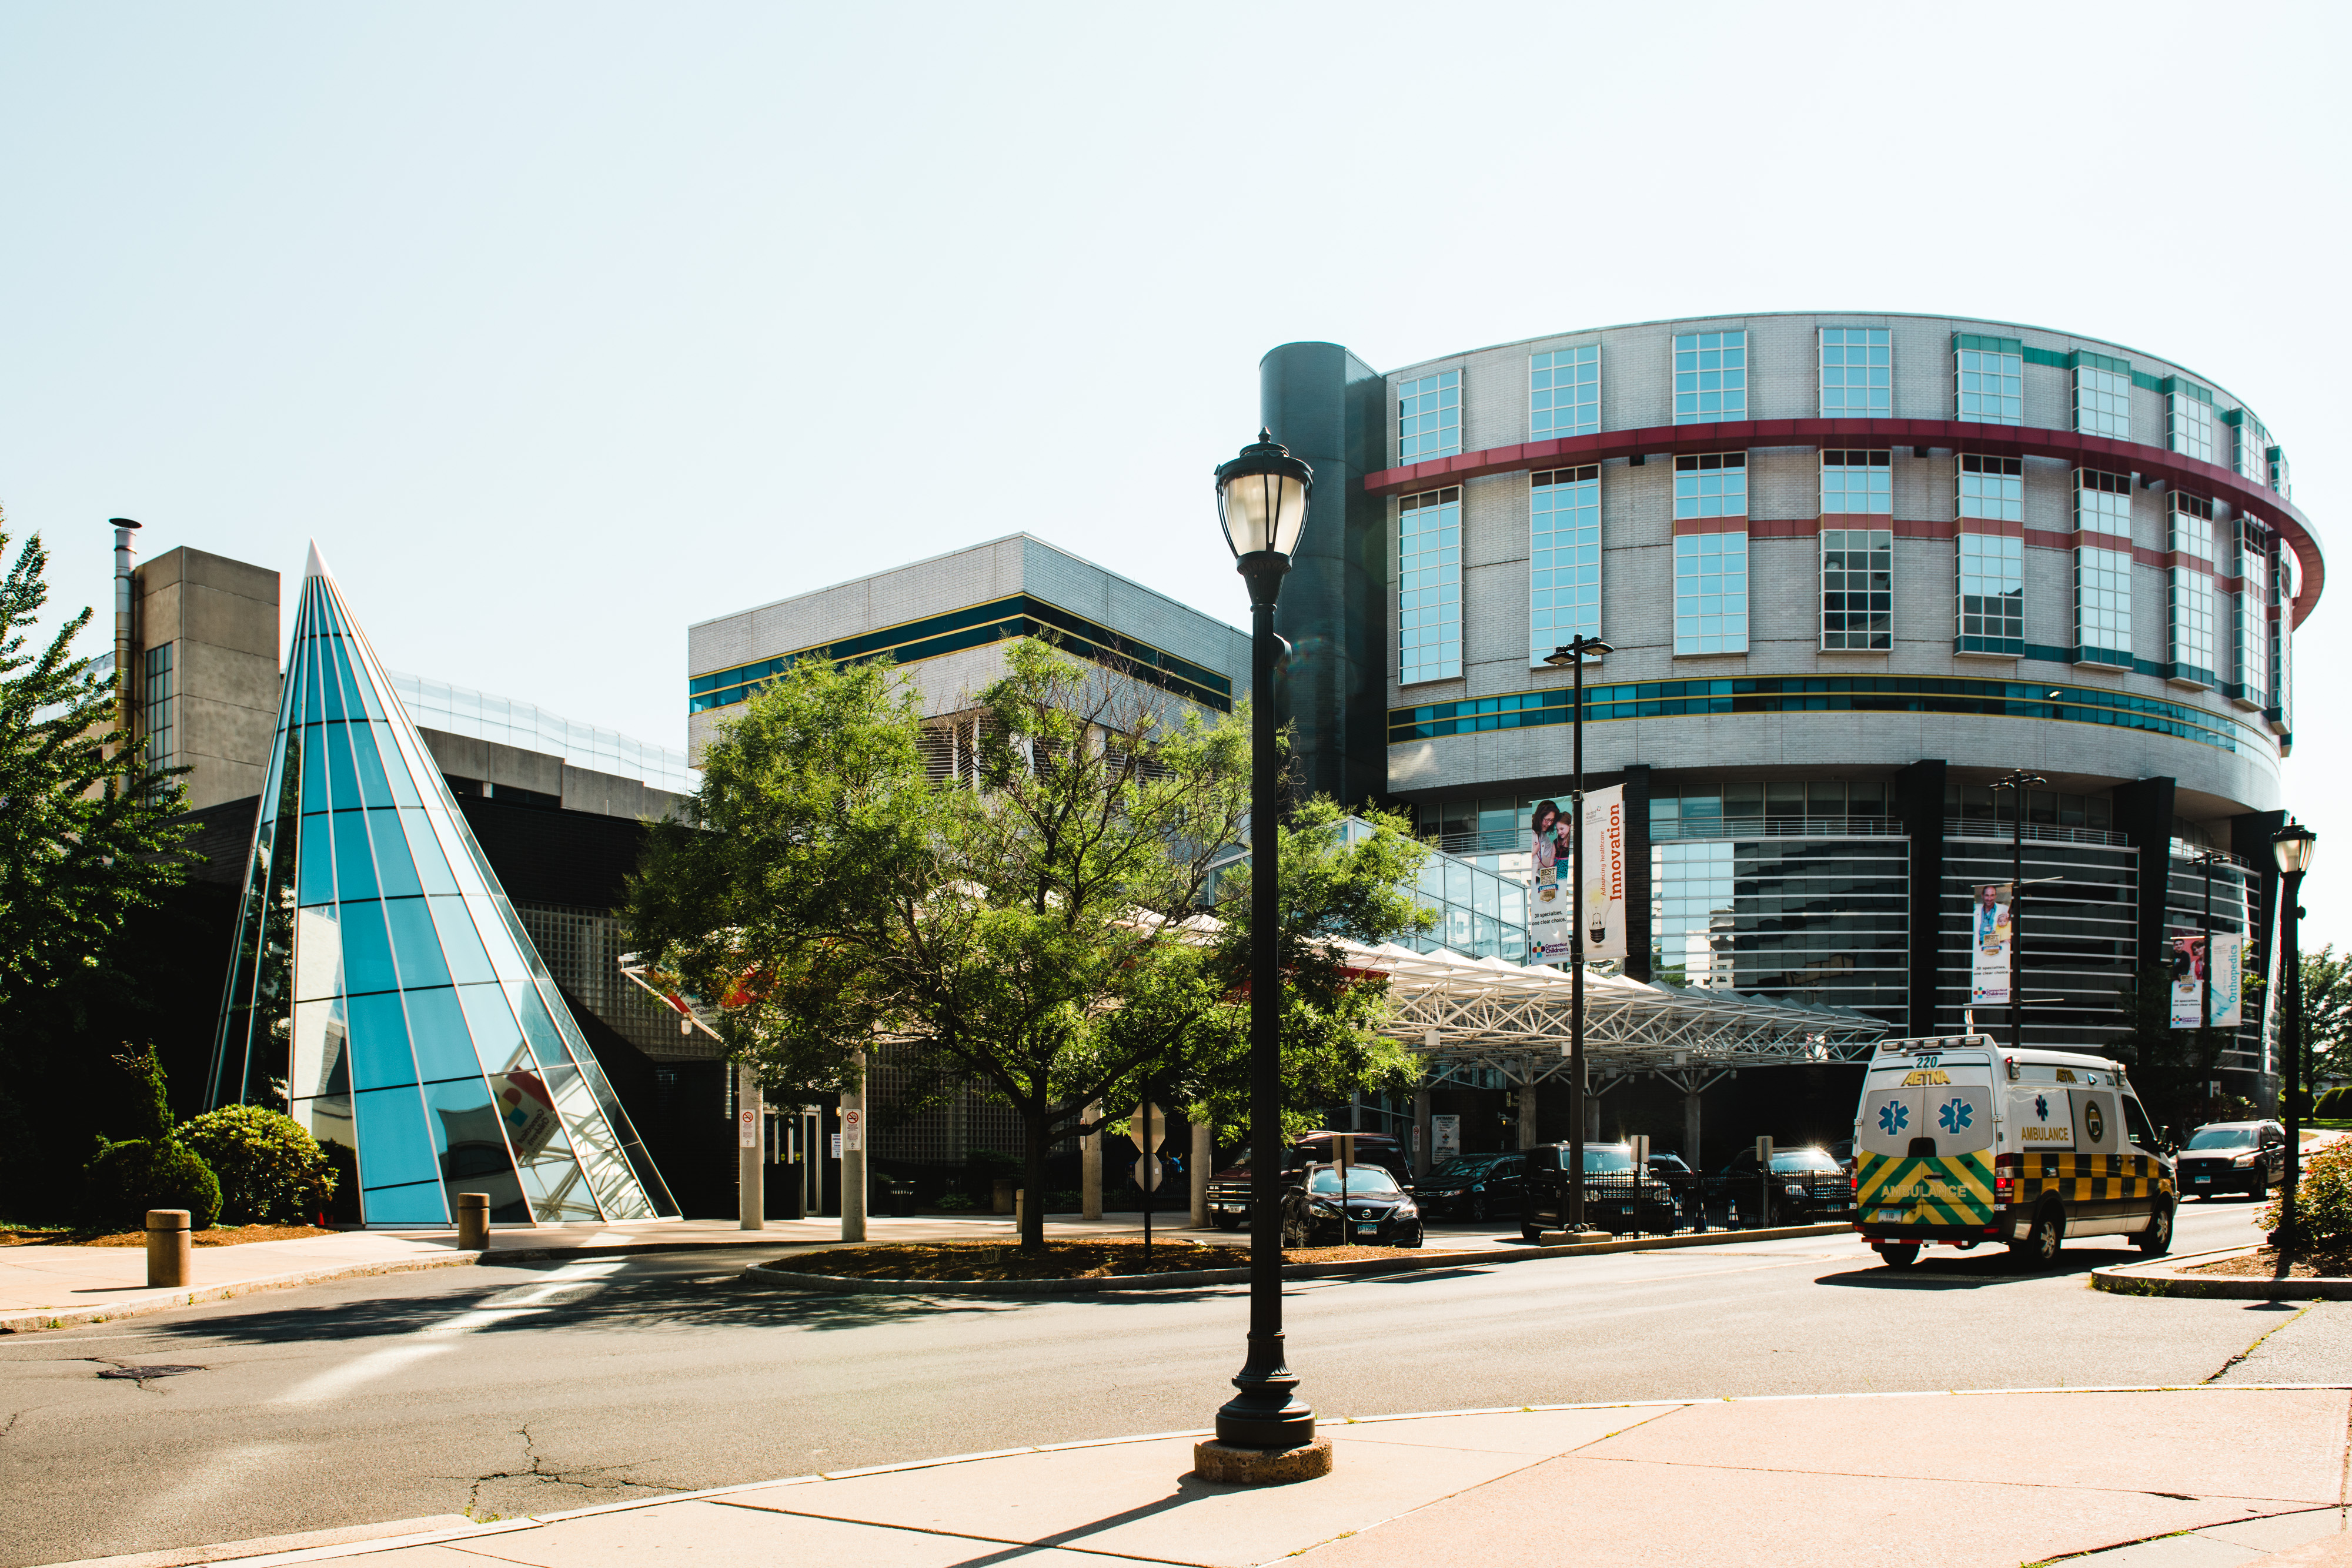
537 1387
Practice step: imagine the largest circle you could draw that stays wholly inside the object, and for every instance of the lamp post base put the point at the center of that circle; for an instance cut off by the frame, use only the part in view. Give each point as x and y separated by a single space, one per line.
1218 1461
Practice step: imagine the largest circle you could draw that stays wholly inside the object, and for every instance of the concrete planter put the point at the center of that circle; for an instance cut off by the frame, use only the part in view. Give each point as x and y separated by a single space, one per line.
2164 1276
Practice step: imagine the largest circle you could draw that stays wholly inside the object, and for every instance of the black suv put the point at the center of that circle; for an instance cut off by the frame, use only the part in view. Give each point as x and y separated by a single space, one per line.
1807 1186
1472 1187
2243 1157
1611 1197
1229 1189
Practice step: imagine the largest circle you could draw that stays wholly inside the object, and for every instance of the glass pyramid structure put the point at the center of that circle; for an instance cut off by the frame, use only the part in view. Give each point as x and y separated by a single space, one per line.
382 992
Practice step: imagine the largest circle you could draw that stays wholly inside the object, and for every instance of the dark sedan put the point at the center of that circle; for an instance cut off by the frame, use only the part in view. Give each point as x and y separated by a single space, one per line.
1475 1187
1373 1211
1808 1185
1613 1200
1229 1188
2241 1157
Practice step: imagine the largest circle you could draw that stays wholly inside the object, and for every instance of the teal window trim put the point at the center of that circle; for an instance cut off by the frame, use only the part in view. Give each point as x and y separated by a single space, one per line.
1971 341
1819 693
2171 384
2047 357
2098 362
2013 647
973 626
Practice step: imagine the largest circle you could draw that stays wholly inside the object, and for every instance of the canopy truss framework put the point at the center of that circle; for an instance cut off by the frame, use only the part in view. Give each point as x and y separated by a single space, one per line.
1513 1019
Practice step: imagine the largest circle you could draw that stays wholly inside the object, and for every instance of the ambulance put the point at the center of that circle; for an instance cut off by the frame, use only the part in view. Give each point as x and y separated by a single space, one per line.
1963 1143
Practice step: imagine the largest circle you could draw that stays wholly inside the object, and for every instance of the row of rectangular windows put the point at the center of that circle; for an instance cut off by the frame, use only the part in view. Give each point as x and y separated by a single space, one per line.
1856 381
1856 572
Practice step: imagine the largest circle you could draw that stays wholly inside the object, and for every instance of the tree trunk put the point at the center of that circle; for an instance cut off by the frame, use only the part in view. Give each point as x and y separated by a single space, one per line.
1032 1203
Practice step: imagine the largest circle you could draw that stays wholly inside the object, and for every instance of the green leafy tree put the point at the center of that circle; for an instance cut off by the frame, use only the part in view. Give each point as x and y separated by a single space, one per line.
87 845
152 1168
2327 1016
1030 926
269 1165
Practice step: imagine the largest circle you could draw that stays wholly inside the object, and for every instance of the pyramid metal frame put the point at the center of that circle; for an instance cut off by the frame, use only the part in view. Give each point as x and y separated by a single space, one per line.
382 990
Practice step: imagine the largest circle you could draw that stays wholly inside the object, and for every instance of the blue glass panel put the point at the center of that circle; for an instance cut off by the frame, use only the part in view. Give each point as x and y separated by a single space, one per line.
414 943
367 950
394 870
330 678
396 763
470 1143
363 697
317 875
306 672
498 1039
343 784
314 776
461 949
419 1203
371 768
436 1027
425 853
537 1027
354 866
380 1055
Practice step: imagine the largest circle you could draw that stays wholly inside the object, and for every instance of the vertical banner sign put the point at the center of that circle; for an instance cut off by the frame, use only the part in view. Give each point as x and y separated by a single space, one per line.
852 1131
2229 960
1988 946
1444 1137
1548 888
1604 872
2187 955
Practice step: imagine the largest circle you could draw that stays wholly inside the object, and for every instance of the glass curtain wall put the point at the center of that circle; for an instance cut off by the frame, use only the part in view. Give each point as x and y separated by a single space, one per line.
1564 549
383 991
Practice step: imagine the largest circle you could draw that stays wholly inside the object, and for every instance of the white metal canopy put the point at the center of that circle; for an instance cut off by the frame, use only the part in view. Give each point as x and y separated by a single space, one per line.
1514 1018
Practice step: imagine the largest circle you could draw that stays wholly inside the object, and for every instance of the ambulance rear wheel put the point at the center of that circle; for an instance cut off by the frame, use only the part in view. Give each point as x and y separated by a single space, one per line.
2040 1248
2156 1239
1901 1257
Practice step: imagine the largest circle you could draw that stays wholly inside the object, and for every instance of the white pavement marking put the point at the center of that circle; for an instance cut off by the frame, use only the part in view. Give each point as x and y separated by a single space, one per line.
427 1342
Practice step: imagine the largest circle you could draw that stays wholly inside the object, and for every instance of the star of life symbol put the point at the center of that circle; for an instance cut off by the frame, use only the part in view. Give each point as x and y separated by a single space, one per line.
1892 1117
2042 1107
1954 1114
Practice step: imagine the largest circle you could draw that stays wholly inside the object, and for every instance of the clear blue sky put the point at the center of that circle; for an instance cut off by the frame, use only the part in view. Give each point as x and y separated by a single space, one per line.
562 326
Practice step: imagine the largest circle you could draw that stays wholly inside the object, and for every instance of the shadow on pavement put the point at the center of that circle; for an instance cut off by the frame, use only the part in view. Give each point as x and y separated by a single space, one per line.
1947 1271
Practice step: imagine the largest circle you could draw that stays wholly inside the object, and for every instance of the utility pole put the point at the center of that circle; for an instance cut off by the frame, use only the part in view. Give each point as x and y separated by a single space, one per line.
2019 783
1573 655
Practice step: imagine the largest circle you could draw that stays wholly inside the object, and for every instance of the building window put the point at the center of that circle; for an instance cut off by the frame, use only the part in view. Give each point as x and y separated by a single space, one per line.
1858 590
1710 377
1857 373
1993 488
1564 393
1992 595
2102 595
2189 527
1564 544
2191 606
2279 479
2103 503
2103 389
2281 708
1857 482
1711 484
1711 593
2191 420
155 706
2249 448
1429 417
2249 621
1992 386
1429 591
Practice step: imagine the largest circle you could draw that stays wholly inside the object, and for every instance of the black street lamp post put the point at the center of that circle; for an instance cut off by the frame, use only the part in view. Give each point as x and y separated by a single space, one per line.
1578 649
2022 783
2293 845
1262 502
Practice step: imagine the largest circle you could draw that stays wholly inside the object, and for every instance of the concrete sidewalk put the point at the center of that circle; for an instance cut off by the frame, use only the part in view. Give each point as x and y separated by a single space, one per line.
2143 1478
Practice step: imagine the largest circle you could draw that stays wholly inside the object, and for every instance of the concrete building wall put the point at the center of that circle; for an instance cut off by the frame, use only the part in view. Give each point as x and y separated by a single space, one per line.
220 619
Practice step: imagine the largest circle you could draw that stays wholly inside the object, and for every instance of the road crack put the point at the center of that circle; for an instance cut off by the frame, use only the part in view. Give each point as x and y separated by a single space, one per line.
137 1372
2260 1340
544 1472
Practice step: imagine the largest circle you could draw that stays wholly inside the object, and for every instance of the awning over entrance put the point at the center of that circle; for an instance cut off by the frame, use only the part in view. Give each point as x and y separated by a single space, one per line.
1514 1017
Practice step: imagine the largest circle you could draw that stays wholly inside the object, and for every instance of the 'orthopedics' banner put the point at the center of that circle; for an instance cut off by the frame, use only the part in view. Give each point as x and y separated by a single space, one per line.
1991 935
1604 872
2190 963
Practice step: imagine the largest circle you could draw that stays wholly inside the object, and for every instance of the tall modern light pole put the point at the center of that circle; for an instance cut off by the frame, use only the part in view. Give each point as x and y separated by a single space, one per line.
1573 655
1262 502
2021 783
2293 845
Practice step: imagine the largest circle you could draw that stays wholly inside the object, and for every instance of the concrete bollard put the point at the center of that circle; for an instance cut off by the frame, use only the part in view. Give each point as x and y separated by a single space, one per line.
473 1222
171 1248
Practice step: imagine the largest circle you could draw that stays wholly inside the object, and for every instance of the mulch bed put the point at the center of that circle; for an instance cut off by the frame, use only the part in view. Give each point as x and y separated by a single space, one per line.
960 1261
2331 1264
218 1236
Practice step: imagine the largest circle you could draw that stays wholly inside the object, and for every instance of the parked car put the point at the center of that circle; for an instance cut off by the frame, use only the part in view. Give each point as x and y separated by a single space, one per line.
1670 1171
1229 1189
2245 1157
1611 1197
1808 1185
1373 1209
1473 1188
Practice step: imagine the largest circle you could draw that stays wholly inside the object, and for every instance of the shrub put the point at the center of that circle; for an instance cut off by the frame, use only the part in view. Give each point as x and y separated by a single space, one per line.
269 1166
2323 1198
127 1179
955 1202
2336 1102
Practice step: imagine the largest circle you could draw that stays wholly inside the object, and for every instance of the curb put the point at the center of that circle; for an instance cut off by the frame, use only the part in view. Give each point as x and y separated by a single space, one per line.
2162 1278
1415 1261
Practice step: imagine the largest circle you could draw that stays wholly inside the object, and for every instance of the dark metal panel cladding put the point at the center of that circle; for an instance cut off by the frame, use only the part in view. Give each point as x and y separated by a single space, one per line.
2144 815
1919 799
1329 408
